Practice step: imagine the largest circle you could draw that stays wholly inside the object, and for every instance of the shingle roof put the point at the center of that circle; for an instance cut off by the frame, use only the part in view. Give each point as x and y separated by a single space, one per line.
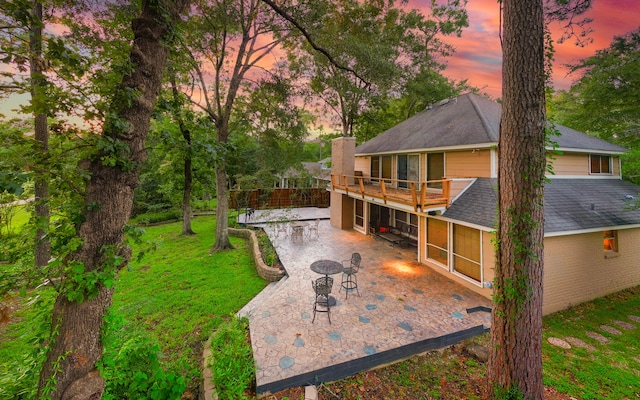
569 204
466 120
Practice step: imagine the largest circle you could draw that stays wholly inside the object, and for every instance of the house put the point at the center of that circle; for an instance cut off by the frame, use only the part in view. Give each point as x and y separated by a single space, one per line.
306 174
433 179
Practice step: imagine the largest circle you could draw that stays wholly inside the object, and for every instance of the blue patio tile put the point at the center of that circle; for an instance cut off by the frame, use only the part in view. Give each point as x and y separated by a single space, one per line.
409 308
381 297
393 278
457 297
335 336
364 320
270 339
266 314
374 283
371 306
305 315
405 326
417 291
286 362
299 342
369 350
457 314
291 300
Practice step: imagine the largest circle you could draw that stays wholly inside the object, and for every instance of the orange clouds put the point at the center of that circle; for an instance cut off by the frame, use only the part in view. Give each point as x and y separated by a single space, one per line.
478 57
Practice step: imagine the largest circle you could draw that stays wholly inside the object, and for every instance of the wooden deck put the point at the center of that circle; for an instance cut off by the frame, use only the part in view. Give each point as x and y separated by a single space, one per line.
418 195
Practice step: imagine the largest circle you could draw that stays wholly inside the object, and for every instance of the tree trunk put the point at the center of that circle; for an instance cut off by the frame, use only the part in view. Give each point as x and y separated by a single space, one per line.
188 172
188 183
41 135
75 345
515 361
222 209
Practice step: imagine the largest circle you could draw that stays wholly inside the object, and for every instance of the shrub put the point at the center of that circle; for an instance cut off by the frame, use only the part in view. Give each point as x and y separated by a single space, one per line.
131 365
232 364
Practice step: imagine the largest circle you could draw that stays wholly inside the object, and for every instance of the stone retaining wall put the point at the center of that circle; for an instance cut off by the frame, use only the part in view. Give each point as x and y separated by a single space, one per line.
269 273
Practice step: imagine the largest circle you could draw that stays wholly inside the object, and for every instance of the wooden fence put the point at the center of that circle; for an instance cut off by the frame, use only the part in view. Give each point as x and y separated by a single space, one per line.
279 198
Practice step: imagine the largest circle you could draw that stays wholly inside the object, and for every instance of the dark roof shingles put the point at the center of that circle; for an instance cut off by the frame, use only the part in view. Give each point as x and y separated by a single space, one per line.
568 204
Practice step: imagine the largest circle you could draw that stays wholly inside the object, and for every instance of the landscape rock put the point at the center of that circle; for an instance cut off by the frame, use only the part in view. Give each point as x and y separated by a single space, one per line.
579 343
598 337
477 351
559 343
624 325
610 330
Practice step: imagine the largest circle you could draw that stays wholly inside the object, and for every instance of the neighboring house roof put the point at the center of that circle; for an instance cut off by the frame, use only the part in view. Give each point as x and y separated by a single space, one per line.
569 204
464 121
315 169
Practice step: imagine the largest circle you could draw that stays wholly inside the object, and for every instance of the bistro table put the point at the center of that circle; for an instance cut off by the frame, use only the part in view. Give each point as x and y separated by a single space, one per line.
297 229
326 268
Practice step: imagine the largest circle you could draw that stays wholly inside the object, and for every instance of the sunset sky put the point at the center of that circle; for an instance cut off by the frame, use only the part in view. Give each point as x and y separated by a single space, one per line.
478 55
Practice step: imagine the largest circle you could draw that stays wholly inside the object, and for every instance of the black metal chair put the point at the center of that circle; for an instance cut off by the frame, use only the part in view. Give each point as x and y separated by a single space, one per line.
322 288
349 274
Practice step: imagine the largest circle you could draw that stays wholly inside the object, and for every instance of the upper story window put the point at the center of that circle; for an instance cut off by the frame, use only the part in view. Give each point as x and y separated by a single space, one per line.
381 167
408 167
600 164
435 169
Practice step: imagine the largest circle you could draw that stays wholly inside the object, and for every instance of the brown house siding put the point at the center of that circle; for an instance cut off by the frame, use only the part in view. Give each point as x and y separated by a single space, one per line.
465 164
572 164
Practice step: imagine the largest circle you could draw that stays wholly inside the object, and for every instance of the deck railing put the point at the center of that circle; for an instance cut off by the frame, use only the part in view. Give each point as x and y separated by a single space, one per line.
420 195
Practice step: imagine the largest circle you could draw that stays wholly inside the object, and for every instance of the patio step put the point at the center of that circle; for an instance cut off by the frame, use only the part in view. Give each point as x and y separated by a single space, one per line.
261 298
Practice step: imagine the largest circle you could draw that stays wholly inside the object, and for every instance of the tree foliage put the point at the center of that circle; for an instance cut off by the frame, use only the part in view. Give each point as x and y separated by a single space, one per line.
386 44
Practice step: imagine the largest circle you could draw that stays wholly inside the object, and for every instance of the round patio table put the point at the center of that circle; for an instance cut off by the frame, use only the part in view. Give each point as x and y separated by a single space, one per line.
326 268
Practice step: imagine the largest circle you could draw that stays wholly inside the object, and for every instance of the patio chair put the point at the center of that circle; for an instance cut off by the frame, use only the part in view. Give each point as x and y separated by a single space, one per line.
322 288
282 228
314 228
349 274
297 233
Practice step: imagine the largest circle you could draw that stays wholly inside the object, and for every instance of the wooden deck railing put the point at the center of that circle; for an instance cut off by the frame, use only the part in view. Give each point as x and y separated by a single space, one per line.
419 195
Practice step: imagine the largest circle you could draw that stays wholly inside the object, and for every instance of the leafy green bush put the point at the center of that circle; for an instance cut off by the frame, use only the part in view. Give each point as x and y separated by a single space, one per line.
131 365
21 350
269 254
158 216
232 360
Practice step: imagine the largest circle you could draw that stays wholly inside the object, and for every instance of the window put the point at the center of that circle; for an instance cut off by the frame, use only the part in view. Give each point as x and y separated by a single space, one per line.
406 222
610 239
437 241
407 169
381 167
600 164
435 169
359 213
466 252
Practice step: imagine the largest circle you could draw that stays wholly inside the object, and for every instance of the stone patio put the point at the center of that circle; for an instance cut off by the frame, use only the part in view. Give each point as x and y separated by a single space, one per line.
404 308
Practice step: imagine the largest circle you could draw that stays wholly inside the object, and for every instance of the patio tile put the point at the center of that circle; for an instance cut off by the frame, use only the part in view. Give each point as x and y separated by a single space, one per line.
401 303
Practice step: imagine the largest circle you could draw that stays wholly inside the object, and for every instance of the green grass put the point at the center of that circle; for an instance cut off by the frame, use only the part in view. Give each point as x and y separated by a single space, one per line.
612 371
18 220
175 296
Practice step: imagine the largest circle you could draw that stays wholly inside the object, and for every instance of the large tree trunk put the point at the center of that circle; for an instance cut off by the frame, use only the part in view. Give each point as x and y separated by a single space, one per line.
222 209
515 361
41 135
75 346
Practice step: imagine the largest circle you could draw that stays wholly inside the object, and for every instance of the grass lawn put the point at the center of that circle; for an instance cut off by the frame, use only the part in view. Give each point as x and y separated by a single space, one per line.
19 218
177 295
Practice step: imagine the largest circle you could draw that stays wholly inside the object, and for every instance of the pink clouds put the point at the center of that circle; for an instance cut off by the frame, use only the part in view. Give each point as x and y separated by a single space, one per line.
478 56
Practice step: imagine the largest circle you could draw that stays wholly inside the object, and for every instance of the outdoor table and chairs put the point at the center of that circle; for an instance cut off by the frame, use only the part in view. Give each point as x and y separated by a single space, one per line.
326 268
297 230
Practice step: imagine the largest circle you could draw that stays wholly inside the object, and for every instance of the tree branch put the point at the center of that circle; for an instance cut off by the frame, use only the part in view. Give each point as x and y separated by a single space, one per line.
310 40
